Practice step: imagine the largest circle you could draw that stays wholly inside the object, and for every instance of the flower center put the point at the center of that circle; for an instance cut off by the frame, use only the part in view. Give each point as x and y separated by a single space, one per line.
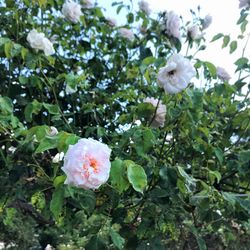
91 163
172 72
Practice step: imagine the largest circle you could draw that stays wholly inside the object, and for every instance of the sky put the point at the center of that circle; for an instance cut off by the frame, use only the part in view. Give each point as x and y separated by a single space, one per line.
225 14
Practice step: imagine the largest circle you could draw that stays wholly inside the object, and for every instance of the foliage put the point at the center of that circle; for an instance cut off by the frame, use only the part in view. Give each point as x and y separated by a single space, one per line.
176 187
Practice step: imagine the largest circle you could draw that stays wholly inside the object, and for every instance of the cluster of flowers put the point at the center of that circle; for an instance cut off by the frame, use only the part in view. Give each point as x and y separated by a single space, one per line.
87 163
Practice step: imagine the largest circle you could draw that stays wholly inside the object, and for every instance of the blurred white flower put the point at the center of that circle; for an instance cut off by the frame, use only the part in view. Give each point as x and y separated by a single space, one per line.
223 74
72 11
194 32
244 3
87 3
70 90
111 21
171 24
12 149
176 75
160 114
144 6
38 41
58 157
48 247
206 21
126 33
48 47
87 164
53 131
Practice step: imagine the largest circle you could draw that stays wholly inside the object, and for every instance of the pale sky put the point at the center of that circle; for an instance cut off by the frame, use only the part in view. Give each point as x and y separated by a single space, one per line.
225 14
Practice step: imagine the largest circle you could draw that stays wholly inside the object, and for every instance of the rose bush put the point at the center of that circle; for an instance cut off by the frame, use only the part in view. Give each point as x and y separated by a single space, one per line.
178 173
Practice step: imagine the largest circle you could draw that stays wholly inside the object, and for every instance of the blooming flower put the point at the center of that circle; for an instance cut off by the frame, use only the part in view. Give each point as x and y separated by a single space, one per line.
111 21
244 3
171 24
87 164
144 6
176 75
206 21
223 74
126 33
87 3
58 157
53 131
38 41
72 11
159 115
194 32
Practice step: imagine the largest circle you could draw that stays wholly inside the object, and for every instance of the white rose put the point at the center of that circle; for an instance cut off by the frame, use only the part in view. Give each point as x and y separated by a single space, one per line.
87 3
144 6
38 41
171 24
87 164
207 21
126 33
223 74
111 21
176 75
159 115
72 11
35 39
48 47
244 3
194 32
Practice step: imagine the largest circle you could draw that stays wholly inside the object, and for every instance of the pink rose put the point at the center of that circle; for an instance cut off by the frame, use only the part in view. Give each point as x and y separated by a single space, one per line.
87 164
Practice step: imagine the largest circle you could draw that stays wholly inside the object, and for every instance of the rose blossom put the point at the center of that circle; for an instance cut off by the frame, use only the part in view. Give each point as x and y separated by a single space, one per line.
144 6
159 116
244 3
223 74
171 24
206 21
38 41
53 131
176 75
194 32
126 33
87 164
72 11
87 3
111 21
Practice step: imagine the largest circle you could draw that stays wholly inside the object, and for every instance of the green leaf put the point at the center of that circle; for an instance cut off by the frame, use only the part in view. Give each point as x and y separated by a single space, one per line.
59 180
32 108
6 105
56 204
118 175
226 40
95 243
53 109
219 154
211 68
216 37
144 140
233 46
136 176
117 239
7 49
189 181
214 175
242 18
46 144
